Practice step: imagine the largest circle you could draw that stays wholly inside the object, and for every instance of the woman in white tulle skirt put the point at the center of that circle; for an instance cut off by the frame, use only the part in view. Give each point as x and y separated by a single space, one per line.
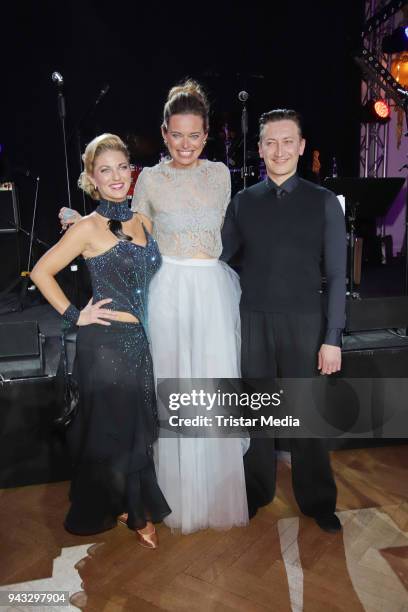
195 333
194 321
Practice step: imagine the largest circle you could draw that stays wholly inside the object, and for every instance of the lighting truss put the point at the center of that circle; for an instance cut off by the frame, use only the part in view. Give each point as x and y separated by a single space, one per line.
379 21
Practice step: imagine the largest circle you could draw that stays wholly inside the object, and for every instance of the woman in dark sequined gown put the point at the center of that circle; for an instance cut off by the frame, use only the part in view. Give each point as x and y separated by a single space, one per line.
111 437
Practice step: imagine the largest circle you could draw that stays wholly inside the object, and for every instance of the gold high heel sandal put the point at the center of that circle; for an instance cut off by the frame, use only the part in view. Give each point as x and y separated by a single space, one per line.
148 540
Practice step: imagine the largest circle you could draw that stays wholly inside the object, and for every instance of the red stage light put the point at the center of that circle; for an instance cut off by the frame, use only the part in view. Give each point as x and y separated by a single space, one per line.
376 111
382 109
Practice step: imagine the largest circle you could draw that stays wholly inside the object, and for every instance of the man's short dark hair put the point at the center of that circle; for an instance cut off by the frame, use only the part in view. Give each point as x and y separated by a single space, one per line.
280 114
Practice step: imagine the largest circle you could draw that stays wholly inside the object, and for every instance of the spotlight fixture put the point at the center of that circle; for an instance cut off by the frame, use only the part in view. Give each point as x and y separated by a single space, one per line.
373 70
397 41
376 111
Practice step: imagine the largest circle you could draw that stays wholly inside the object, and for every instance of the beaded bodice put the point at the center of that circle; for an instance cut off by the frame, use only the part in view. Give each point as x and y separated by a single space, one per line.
123 273
187 206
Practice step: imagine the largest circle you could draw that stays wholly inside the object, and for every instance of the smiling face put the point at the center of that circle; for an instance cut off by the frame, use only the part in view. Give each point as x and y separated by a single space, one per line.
280 146
111 175
185 138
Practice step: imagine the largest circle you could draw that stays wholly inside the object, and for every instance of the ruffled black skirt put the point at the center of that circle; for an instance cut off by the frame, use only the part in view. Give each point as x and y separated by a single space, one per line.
111 438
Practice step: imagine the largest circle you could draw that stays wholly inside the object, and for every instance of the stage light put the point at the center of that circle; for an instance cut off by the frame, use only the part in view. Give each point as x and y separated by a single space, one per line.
381 109
373 70
397 41
376 111
399 69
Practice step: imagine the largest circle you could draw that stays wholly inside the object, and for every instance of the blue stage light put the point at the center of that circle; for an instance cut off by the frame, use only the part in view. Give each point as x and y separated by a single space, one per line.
397 41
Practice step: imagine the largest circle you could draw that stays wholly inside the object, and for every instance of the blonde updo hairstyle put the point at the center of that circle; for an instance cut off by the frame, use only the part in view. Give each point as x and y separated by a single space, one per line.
188 98
100 144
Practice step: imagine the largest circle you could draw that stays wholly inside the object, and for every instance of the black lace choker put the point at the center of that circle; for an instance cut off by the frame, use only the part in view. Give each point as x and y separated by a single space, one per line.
117 211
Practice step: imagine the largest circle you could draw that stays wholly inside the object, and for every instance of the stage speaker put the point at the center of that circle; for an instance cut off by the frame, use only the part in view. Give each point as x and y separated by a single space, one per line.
10 258
21 350
9 213
375 354
376 313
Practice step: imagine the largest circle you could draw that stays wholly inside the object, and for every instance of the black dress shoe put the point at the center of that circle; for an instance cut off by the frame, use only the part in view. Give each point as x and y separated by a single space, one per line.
328 522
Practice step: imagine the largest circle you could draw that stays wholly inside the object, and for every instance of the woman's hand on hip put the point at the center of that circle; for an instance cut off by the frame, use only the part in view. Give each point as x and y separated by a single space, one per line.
95 313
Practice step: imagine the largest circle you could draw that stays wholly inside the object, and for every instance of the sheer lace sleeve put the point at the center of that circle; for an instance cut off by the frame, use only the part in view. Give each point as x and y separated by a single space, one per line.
141 202
225 182
225 188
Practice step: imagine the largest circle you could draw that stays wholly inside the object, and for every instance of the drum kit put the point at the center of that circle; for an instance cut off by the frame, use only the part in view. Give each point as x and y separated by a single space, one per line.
231 151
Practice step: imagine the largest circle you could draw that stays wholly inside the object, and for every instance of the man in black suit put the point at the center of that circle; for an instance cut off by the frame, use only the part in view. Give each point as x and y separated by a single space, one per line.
285 227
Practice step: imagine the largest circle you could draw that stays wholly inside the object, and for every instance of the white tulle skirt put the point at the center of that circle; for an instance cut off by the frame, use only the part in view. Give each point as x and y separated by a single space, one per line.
194 327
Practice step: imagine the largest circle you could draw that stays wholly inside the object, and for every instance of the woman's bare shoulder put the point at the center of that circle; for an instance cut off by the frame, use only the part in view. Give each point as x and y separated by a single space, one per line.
87 224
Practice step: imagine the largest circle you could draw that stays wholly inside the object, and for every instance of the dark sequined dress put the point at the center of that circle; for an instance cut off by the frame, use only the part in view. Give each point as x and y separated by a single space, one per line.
112 435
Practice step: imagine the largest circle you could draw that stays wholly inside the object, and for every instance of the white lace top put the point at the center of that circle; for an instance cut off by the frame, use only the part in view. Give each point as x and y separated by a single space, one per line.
187 206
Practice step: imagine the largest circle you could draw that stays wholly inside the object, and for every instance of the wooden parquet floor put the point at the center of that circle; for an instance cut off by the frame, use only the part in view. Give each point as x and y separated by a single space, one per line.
280 562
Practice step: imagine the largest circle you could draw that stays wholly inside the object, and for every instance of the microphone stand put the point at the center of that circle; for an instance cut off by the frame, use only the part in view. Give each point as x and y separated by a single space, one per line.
244 128
87 114
35 240
352 238
79 152
26 274
227 144
62 115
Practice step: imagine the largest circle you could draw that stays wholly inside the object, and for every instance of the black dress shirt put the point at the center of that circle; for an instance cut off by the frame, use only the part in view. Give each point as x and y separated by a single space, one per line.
286 234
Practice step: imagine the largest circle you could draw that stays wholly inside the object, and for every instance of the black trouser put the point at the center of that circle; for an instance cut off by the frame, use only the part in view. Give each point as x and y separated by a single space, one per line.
286 345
